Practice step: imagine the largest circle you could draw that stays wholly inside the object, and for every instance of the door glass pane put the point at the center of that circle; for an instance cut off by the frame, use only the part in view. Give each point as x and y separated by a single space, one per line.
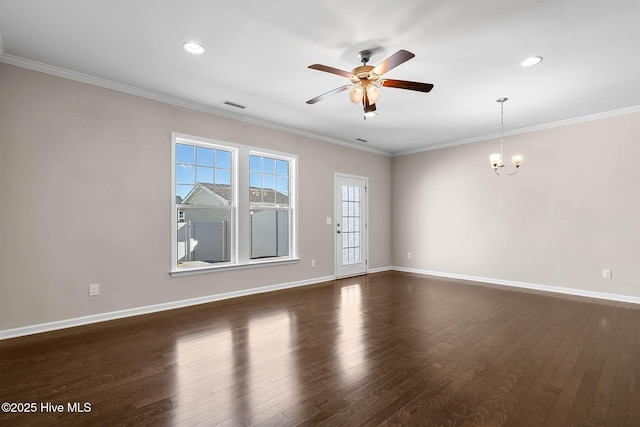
351 224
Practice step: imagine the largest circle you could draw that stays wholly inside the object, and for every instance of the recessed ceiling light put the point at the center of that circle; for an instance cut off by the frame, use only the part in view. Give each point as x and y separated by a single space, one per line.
195 48
531 61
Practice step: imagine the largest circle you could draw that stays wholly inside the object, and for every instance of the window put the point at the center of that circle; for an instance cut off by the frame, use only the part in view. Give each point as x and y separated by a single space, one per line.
204 204
232 205
269 204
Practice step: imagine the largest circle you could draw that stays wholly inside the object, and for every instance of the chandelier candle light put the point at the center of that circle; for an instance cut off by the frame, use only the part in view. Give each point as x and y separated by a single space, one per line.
496 158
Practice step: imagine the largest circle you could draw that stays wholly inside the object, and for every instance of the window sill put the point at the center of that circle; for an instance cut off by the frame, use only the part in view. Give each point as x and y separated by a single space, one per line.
226 267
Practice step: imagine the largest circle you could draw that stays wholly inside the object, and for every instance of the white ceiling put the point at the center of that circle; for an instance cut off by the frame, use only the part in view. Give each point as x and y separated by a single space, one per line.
257 53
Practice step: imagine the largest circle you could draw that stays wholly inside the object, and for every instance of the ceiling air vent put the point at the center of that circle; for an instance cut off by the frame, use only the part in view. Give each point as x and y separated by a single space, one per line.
233 104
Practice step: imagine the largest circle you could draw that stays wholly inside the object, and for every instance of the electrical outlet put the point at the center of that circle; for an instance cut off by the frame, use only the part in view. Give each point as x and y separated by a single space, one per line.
409 255
606 274
313 263
328 220
94 289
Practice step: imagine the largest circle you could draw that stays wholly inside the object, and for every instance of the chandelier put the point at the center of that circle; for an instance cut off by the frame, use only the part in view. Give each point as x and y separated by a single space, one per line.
496 158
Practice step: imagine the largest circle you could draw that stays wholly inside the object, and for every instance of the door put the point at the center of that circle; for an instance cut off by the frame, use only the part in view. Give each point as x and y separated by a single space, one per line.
350 225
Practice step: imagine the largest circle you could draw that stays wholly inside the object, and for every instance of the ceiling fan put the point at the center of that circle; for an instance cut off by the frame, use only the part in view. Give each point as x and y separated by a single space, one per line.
366 80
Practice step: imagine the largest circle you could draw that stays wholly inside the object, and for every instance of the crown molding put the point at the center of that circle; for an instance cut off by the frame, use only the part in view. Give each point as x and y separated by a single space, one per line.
528 129
167 99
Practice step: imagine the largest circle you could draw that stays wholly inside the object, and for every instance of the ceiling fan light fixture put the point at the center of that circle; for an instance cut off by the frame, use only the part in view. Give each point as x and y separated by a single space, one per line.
531 61
193 47
370 110
365 82
356 93
373 92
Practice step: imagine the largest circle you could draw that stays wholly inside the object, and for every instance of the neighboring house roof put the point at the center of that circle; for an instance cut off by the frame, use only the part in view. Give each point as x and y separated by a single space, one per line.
220 195
208 194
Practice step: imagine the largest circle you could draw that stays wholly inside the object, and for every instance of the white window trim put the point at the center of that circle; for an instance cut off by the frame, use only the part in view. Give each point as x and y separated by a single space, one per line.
240 227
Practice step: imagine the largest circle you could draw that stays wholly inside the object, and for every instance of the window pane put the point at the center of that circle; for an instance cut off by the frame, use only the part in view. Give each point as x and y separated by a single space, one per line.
202 236
204 156
268 165
223 194
269 181
223 176
185 153
182 191
204 175
255 195
282 167
282 184
255 164
223 159
269 233
282 198
255 180
185 174
269 196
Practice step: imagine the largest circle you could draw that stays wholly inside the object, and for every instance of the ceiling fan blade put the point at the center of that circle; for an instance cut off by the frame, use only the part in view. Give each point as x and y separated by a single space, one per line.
403 84
328 94
331 70
393 61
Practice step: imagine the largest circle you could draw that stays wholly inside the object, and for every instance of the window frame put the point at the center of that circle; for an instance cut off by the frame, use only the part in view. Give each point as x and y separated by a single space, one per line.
240 236
275 206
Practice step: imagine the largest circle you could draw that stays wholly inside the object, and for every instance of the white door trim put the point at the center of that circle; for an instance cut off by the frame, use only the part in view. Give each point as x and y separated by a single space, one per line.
337 251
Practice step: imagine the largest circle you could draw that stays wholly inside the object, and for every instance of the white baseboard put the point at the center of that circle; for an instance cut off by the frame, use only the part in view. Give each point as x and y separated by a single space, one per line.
525 285
102 317
379 269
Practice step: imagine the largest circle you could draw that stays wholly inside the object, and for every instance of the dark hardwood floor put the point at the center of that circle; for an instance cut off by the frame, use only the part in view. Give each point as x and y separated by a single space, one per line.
385 349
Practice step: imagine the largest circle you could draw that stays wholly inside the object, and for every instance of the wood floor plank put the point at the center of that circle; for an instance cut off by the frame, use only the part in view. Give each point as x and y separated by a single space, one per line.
388 348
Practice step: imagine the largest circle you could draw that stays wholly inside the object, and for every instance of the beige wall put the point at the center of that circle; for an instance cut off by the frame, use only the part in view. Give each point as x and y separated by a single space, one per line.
85 180
85 190
573 209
